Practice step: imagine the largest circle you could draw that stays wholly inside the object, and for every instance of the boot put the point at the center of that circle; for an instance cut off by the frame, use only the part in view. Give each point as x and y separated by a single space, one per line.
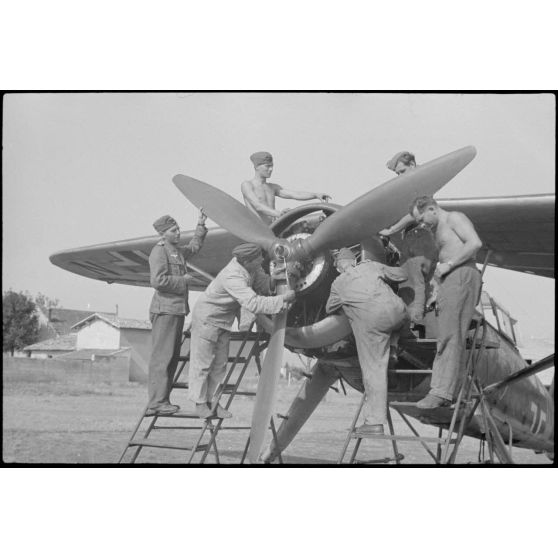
203 411
222 413
433 402
163 409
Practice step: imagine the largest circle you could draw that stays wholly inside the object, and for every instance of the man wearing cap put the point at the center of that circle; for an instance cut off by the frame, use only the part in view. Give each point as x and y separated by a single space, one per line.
242 283
400 163
168 307
259 195
376 315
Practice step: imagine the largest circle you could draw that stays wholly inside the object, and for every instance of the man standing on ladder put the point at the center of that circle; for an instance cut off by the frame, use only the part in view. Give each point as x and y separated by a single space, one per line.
240 284
169 307
460 284
376 315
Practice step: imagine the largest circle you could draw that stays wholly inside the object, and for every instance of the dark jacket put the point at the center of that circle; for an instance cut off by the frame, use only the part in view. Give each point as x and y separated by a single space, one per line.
168 275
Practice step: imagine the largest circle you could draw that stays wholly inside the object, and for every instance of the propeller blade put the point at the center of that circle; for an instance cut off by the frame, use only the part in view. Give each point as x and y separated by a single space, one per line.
226 211
385 205
266 393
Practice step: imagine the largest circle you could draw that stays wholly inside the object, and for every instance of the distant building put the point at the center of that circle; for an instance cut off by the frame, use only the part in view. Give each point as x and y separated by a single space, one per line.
56 322
51 348
100 335
97 336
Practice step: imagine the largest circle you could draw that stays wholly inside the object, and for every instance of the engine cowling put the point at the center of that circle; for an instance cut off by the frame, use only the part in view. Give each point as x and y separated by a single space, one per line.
309 329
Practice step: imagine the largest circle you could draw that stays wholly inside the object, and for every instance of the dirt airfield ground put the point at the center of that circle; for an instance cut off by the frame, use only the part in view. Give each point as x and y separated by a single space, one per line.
51 422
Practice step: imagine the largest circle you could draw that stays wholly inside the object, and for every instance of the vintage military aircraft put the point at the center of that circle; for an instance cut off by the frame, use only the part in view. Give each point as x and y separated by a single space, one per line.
517 232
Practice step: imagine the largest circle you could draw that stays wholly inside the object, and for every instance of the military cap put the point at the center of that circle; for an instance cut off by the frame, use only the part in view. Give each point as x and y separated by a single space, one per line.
261 158
392 163
246 252
164 223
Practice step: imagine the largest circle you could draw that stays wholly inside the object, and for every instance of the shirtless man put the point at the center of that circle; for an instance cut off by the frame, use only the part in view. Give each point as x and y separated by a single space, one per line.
259 195
460 284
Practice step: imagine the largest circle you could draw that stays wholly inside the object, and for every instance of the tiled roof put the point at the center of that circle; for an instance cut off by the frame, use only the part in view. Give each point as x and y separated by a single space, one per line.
61 320
86 354
62 343
115 321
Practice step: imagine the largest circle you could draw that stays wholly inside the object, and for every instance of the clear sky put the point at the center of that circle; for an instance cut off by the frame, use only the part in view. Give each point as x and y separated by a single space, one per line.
82 169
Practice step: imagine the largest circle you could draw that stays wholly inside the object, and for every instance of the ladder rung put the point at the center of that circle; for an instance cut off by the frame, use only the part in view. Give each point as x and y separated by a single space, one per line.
400 457
404 438
239 360
169 427
227 389
179 415
418 341
411 371
166 445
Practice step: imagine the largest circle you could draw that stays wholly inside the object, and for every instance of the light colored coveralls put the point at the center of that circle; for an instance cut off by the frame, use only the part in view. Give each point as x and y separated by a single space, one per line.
212 320
168 308
458 295
376 314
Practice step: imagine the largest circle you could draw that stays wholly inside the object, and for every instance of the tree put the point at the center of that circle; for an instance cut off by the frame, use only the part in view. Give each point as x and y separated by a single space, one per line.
19 320
44 303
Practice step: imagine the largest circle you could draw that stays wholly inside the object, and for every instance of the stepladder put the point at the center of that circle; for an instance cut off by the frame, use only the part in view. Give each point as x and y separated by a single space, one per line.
194 440
452 422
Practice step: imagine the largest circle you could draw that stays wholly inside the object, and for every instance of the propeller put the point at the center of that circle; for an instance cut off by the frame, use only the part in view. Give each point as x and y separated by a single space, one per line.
368 214
381 207
266 393
226 211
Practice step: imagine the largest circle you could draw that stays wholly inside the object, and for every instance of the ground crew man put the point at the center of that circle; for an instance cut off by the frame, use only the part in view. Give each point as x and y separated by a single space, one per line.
168 307
241 283
259 195
400 163
376 315
459 291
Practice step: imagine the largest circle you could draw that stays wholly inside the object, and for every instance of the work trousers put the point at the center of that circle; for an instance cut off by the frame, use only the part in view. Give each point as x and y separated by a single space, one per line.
457 297
373 340
166 335
209 352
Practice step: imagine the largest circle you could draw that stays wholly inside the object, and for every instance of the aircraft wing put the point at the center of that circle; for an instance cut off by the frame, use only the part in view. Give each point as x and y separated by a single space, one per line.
127 261
518 230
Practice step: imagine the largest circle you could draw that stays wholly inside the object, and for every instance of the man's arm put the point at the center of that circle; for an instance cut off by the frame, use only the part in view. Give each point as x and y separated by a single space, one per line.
251 199
237 287
392 274
194 246
298 195
404 222
464 229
